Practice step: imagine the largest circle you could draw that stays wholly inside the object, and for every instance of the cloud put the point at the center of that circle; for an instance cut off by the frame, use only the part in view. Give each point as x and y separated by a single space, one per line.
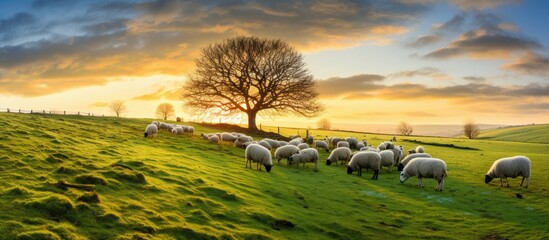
332 87
438 32
474 79
530 64
423 41
99 104
161 93
431 72
480 5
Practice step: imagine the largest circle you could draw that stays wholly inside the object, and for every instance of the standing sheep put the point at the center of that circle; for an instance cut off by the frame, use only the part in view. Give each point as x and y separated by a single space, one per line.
214 139
398 154
151 131
509 167
265 144
387 159
274 143
303 146
386 145
420 149
366 159
334 141
343 144
322 144
409 158
285 152
260 155
425 168
305 156
341 153
310 139
352 142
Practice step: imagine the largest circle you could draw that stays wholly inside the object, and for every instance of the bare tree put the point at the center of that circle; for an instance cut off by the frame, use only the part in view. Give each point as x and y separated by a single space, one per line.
165 111
404 128
324 124
252 75
118 107
471 129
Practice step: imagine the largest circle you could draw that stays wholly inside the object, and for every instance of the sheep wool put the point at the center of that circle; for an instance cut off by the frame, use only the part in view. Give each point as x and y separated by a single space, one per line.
322 144
295 142
285 152
303 146
420 149
274 143
365 159
339 154
425 168
409 158
309 155
509 167
343 144
260 155
214 139
352 142
151 130
387 159
265 144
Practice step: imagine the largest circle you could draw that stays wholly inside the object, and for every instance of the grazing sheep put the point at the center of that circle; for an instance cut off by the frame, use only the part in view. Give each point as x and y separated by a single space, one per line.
387 159
260 155
157 123
305 156
285 152
243 138
425 168
334 141
352 142
398 154
411 151
310 139
206 136
227 137
386 145
214 139
282 143
274 143
178 130
165 126
420 149
343 144
238 144
509 167
189 129
322 144
151 131
265 144
295 142
341 153
367 159
360 145
409 158
302 146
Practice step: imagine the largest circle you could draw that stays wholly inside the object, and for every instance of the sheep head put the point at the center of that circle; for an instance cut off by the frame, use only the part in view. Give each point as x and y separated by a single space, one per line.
487 178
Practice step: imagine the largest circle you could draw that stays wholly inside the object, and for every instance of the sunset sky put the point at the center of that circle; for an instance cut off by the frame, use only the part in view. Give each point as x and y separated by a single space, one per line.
422 61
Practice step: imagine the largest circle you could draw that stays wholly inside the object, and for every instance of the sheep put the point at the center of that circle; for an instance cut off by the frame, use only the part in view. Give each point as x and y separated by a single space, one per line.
386 145
387 159
369 148
310 139
409 158
509 167
265 144
151 131
157 123
425 168
260 155
238 144
398 155
189 129
412 151
343 144
285 152
178 130
367 159
322 144
305 156
352 142
420 149
243 138
214 139
166 126
274 143
282 143
360 145
295 142
302 146
227 137
341 153
334 141
206 136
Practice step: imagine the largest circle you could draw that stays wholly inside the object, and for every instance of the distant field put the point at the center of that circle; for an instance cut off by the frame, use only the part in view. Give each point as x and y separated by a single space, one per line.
530 133
181 187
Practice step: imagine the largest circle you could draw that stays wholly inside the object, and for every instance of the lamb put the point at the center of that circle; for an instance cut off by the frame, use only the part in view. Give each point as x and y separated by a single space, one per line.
419 149
322 144
352 142
425 168
305 156
260 155
366 159
285 152
310 139
509 167
341 153
214 139
343 144
387 159
151 131
409 158
302 146
265 144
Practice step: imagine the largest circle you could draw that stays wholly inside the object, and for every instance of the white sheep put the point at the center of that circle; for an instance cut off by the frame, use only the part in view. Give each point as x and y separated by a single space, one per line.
409 158
178 130
360 145
214 139
398 155
151 131
227 137
274 143
157 123
322 144
282 143
366 159
334 141
425 168
386 145
420 149
352 142
369 148
285 152
343 144
302 146
305 156
387 159
295 142
243 138
260 155
265 144
165 126
339 154
205 136
509 167
189 129
310 139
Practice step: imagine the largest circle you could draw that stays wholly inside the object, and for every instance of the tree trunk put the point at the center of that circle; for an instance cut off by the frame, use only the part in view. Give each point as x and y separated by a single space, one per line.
251 121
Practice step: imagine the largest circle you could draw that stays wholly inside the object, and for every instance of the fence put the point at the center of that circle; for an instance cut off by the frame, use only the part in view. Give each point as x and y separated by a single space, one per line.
14 110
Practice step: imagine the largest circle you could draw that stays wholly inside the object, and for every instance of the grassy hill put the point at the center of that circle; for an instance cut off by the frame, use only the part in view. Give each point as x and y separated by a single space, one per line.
529 133
181 187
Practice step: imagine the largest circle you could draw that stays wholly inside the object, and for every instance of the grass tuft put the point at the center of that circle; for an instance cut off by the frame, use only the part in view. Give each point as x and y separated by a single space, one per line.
38 235
55 206
90 179
89 197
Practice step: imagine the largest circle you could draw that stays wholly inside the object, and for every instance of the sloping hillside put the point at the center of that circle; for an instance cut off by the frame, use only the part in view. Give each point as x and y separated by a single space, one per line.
529 133
118 185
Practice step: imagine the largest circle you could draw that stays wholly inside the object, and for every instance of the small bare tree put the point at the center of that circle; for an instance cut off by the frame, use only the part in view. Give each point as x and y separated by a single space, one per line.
118 107
324 124
165 111
404 128
471 129
252 75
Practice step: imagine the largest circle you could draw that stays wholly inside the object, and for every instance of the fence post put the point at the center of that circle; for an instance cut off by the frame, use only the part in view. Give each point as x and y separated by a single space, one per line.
31 110
19 110
307 133
278 130
88 114
8 110
64 112
78 113
50 111
44 111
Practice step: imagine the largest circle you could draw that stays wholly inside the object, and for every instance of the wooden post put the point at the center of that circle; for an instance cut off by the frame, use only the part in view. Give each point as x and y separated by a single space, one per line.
31 110
78 113
19 110
279 130
44 111
8 110
307 133
64 112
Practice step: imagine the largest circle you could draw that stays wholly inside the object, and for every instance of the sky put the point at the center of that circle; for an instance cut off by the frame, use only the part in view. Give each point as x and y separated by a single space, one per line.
376 62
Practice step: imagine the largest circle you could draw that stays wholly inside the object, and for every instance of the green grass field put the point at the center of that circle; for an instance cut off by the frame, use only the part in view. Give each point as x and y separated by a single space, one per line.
530 133
181 187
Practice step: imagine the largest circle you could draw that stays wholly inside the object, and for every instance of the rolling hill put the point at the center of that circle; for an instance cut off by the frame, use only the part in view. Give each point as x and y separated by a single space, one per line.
74 177
528 133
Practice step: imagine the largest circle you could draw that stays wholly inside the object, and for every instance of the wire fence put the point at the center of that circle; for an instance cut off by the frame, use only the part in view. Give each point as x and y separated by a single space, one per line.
56 112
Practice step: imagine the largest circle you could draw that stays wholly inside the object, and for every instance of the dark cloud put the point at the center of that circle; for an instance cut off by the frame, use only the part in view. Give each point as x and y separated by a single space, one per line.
535 107
474 79
52 3
531 64
453 24
14 26
106 27
423 41
480 5
438 32
333 87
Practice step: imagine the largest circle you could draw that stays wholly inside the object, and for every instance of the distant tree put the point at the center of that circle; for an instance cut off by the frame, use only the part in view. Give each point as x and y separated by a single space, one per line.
404 128
251 75
324 124
165 111
118 107
471 129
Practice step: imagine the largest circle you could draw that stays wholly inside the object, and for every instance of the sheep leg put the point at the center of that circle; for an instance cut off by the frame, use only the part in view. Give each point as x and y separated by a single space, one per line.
507 181
359 171
500 182
527 181
376 173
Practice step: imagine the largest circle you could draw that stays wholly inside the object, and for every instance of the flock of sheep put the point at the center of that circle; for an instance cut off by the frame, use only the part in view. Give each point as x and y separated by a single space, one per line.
386 154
